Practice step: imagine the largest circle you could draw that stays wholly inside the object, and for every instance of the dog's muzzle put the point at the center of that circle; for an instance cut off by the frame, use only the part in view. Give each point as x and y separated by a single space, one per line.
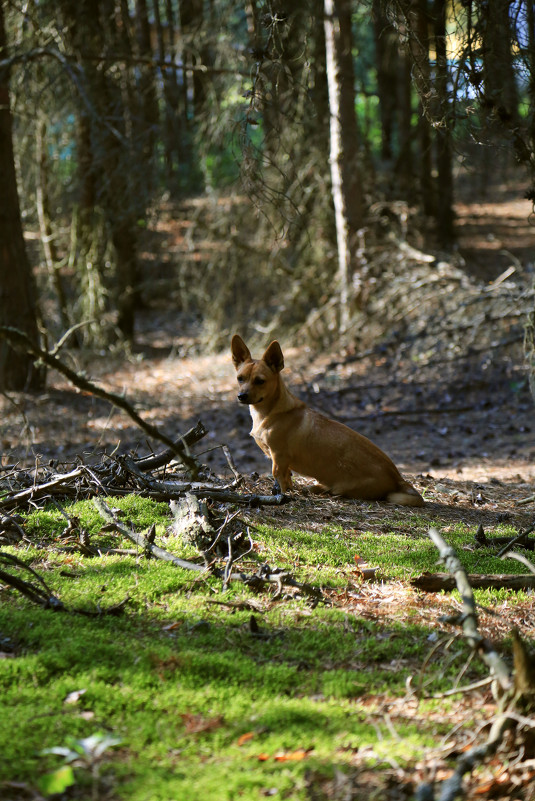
243 397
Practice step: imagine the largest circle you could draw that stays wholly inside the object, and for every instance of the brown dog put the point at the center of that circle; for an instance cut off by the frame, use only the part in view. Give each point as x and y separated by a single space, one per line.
297 438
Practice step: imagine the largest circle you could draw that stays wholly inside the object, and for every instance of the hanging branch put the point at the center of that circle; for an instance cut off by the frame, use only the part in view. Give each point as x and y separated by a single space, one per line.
21 341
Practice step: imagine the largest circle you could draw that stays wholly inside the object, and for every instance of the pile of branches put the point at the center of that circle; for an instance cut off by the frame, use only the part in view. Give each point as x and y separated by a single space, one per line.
200 504
125 475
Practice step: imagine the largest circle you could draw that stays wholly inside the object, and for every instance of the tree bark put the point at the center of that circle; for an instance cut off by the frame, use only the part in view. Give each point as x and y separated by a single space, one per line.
501 93
443 117
387 64
344 142
418 23
17 292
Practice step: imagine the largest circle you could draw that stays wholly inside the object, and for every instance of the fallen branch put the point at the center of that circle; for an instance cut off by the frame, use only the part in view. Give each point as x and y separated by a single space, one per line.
499 672
444 582
522 501
452 787
468 617
42 595
522 539
143 542
38 490
148 463
21 341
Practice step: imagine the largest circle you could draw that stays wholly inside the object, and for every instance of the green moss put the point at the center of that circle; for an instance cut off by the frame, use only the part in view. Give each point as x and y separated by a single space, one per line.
180 680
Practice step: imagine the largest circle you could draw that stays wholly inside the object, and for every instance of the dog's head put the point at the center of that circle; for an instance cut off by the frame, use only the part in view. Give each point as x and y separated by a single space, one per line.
257 378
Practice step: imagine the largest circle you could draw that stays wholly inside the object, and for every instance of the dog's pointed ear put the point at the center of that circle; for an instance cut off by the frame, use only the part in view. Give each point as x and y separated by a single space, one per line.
273 357
240 351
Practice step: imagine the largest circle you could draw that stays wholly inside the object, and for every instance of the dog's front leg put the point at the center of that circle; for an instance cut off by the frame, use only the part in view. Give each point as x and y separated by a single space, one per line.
281 474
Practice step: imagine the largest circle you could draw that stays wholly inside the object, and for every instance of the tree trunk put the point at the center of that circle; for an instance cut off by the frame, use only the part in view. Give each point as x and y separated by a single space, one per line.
344 141
443 119
147 88
501 93
17 292
113 194
404 165
386 61
45 224
418 23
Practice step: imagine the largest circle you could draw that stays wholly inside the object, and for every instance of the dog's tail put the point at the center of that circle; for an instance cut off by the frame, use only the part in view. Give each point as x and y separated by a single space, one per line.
405 495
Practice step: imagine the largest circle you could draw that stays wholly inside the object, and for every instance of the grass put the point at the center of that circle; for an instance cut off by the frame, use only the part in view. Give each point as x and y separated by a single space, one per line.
204 705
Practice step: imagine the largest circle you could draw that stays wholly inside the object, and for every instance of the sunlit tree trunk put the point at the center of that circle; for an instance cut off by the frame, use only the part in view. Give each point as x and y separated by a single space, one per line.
17 293
344 141
444 121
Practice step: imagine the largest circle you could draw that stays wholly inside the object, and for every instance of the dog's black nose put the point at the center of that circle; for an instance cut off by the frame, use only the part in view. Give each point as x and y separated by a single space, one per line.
243 397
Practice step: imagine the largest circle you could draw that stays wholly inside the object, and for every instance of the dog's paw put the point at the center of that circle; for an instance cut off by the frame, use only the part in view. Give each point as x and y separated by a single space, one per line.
276 488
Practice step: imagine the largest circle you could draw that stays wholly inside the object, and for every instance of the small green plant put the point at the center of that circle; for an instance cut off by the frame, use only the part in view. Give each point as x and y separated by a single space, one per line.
86 754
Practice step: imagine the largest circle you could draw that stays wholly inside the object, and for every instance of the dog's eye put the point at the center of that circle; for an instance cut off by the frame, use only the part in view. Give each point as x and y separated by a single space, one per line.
241 379
259 381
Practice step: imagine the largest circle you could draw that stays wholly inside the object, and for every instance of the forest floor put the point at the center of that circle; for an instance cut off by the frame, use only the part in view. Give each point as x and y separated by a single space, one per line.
460 421
445 393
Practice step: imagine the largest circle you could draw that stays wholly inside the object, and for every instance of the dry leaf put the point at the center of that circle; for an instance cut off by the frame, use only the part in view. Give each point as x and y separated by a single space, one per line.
292 756
245 737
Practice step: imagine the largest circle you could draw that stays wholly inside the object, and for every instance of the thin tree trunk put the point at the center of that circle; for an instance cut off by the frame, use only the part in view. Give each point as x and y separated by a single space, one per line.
345 173
17 291
146 86
386 61
501 93
418 23
45 223
444 210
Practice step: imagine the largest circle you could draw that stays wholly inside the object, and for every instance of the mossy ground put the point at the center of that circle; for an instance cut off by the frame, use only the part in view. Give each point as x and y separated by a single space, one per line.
208 704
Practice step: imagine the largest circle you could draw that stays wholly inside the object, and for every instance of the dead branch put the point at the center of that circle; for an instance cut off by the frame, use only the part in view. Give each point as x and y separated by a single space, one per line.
522 539
38 490
20 341
522 501
520 558
468 617
444 582
500 673
143 542
148 463
174 490
452 787
41 595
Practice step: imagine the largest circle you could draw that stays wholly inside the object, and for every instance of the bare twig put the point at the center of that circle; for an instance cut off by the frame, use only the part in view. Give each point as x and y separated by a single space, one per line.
141 541
21 341
41 595
468 618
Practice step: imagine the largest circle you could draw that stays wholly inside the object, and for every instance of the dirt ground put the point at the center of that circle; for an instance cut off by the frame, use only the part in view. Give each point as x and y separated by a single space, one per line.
460 422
